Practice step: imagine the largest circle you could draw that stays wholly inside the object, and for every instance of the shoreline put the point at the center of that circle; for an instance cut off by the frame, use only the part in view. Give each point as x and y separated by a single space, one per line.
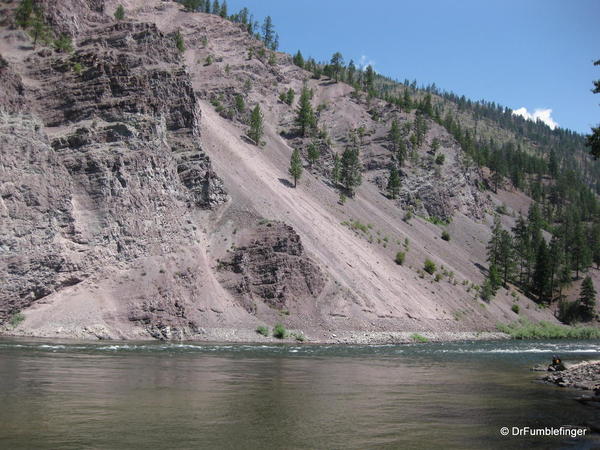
250 336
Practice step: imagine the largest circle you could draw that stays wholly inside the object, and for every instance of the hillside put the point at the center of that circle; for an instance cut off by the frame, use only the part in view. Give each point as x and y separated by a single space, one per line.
134 205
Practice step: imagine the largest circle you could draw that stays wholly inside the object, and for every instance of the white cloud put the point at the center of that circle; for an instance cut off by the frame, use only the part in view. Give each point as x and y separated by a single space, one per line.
545 115
364 61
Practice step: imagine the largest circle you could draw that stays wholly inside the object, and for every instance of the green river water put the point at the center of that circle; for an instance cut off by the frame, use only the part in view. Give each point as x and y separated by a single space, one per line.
102 395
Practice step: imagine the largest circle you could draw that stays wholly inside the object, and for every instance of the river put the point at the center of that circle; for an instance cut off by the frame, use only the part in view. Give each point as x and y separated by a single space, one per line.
57 395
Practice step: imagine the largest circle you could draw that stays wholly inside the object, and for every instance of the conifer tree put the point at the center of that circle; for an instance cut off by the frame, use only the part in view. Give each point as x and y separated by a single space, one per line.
298 59
120 12
493 247
593 140
505 257
256 125
223 10
23 13
350 72
313 154
587 299
394 136
350 172
295 169
370 78
305 119
393 185
39 29
541 274
337 168
337 65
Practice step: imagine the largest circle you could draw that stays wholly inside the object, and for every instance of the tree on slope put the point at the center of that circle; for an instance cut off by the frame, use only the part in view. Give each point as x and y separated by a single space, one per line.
256 125
593 140
350 171
587 299
295 169
305 119
393 185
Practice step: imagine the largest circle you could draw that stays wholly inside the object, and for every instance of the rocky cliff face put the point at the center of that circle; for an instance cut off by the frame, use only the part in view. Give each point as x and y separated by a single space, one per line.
113 169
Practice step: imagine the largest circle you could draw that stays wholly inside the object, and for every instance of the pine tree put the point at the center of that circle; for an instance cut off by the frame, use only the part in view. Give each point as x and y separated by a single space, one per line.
541 274
350 173
505 257
268 33
216 7
289 96
298 59
580 252
593 140
39 29
120 12
313 154
256 125
295 169
370 78
337 168
305 119
350 72
23 13
393 185
337 65
493 247
223 10
394 136
587 299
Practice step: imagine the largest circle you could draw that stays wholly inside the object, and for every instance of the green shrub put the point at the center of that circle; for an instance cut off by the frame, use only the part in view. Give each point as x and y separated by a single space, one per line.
279 331
438 277
77 68
179 43
120 13
515 308
208 61
524 329
445 235
298 336
418 338
429 266
263 330
400 256
439 159
63 44
16 319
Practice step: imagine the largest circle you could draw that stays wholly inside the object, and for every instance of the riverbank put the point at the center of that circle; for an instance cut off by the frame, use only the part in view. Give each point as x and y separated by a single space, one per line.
251 336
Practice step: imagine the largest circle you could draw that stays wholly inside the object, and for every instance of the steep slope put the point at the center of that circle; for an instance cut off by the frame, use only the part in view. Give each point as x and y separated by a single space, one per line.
173 225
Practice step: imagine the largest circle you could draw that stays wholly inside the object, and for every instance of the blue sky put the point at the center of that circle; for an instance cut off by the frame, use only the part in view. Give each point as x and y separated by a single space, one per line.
526 53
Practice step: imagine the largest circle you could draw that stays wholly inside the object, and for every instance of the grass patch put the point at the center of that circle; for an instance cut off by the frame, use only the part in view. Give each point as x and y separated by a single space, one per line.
279 331
263 330
525 329
418 338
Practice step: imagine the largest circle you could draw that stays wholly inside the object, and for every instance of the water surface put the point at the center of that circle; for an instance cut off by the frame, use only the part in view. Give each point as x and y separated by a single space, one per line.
198 395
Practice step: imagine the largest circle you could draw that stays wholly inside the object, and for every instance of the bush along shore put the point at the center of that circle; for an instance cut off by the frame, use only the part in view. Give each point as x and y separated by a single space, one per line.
524 329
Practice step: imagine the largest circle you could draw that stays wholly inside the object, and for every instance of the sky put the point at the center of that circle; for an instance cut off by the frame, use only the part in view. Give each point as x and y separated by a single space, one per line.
535 57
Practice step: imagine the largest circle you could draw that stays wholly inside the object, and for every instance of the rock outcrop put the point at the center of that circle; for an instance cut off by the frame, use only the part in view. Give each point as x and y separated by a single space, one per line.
268 264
